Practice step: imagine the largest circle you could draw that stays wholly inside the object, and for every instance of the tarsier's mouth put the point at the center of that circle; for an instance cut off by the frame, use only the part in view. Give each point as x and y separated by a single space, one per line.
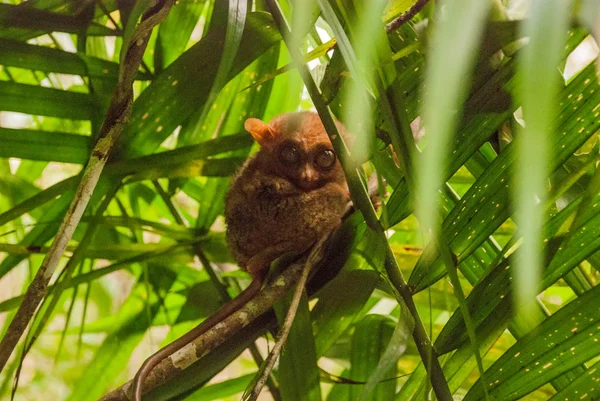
309 185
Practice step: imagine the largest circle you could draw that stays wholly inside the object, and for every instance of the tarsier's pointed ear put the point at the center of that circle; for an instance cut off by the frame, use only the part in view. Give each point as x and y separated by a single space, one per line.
259 130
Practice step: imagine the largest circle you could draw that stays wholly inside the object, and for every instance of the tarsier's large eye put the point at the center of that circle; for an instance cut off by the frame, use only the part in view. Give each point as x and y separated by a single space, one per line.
289 154
325 158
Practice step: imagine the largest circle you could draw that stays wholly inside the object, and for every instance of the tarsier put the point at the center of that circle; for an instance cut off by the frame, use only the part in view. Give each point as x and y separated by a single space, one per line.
287 196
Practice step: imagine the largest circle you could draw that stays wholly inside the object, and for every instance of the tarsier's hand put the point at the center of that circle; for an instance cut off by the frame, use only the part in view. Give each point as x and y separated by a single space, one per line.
278 187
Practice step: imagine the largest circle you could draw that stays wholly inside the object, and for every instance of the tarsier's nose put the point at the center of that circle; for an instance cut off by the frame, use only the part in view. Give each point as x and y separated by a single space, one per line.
308 175
308 178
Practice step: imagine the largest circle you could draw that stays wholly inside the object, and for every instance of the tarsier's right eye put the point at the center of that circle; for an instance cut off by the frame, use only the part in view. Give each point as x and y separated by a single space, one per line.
325 158
289 154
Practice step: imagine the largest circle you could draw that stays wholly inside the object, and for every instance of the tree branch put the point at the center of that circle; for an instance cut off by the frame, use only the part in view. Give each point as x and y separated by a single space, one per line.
117 116
194 351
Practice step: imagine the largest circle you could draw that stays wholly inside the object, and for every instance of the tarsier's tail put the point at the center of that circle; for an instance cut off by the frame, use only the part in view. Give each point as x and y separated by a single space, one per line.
224 312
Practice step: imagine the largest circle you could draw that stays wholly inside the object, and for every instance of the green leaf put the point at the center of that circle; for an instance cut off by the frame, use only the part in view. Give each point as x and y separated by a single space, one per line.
236 20
181 156
566 339
396 7
210 168
485 206
171 253
220 390
37 200
456 369
314 54
389 358
304 16
51 102
168 230
490 301
175 31
583 243
583 387
40 233
344 45
42 145
116 349
369 342
336 311
184 86
298 370
26 16
18 54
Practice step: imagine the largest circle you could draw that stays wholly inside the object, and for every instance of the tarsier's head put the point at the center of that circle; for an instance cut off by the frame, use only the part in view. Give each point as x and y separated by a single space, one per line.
296 146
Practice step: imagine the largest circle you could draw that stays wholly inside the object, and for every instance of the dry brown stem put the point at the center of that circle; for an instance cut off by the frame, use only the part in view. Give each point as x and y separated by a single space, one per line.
407 16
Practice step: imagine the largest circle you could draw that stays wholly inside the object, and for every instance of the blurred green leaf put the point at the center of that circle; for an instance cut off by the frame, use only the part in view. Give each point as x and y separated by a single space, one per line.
116 349
37 200
454 42
546 29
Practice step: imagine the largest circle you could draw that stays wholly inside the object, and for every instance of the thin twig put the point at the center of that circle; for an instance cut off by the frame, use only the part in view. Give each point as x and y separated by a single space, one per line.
315 256
102 7
117 116
407 16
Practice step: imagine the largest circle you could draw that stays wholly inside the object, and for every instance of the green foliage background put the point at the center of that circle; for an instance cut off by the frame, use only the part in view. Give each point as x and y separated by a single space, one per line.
479 224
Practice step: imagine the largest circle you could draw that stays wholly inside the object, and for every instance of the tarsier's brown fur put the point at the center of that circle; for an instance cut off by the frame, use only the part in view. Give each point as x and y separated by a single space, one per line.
274 206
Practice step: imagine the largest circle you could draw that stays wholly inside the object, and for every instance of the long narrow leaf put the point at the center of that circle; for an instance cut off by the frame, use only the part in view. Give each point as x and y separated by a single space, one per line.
546 29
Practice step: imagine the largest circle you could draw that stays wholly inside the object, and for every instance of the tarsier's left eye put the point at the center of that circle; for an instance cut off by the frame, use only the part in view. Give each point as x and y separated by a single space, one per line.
289 154
325 158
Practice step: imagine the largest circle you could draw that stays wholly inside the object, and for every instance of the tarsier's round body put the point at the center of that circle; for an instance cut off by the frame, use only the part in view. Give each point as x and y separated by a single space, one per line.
286 196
